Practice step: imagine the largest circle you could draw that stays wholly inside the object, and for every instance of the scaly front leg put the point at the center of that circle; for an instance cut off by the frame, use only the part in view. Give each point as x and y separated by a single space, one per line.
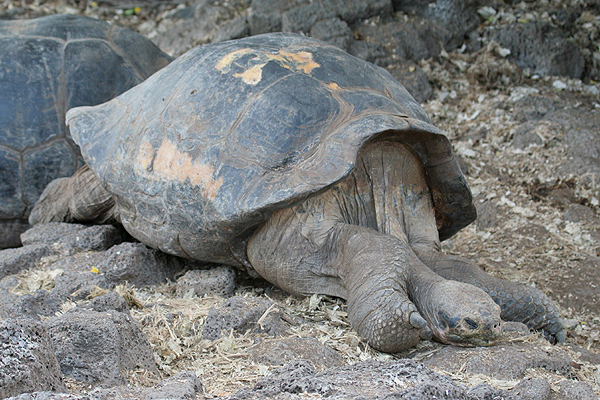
302 254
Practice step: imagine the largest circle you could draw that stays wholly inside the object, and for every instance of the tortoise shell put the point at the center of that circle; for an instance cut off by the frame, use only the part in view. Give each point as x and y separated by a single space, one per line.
48 65
209 147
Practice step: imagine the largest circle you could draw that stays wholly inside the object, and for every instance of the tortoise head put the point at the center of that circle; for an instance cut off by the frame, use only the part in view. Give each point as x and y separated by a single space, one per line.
462 315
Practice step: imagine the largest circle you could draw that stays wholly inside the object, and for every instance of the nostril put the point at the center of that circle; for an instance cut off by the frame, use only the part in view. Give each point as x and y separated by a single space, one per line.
472 324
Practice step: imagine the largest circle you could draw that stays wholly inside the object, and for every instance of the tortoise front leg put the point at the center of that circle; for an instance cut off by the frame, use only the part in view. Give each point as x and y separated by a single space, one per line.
355 263
417 226
375 270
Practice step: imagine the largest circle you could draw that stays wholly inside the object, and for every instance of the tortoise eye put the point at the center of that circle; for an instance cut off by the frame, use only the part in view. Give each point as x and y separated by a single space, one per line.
472 324
444 320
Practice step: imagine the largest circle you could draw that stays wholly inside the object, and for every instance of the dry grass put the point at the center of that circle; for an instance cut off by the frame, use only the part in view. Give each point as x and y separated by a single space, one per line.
174 328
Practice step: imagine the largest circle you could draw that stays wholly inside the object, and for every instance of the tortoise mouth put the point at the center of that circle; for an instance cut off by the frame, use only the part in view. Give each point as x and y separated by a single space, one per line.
458 339
467 332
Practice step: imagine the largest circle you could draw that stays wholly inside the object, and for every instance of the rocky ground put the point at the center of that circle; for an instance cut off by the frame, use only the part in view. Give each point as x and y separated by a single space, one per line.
514 85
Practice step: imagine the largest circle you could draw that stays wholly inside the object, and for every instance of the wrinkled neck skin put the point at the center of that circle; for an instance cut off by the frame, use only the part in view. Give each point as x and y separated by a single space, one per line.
421 286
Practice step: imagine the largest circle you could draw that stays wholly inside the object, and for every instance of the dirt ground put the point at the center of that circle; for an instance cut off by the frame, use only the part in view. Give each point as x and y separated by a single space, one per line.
538 223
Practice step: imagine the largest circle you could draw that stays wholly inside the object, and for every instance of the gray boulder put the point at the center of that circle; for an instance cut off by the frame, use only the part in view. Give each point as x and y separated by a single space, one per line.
236 28
333 31
401 41
27 360
14 260
51 396
242 315
533 389
108 302
415 80
369 380
78 285
301 15
57 238
202 22
6 300
304 17
266 15
68 239
452 19
575 127
571 389
279 352
218 281
96 348
10 231
542 48
183 386
511 360
137 265
40 303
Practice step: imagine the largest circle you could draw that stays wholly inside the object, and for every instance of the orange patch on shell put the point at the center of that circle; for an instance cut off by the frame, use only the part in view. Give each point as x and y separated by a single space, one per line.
226 61
144 157
252 75
168 163
301 61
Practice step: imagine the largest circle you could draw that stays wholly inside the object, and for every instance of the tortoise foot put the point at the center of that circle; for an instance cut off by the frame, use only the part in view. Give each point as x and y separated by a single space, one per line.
390 323
530 306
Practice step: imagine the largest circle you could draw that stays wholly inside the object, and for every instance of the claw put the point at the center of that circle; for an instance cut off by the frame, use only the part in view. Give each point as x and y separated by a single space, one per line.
555 333
426 333
418 321
560 336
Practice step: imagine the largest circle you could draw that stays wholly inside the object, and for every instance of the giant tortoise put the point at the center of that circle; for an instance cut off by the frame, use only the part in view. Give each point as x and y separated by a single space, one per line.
288 157
48 65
